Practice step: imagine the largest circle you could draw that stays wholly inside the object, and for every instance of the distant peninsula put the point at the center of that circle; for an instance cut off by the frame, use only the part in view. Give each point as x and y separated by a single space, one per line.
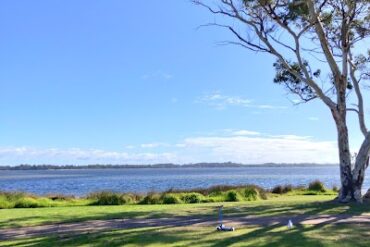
162 165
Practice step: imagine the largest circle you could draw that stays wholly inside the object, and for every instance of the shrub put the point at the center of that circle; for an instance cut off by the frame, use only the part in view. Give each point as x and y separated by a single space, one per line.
26 202
282 189
251 193
232 196
151 198
60 197
192 197
335 188
44 202
169 198
317 186
107 198
5 203
129 198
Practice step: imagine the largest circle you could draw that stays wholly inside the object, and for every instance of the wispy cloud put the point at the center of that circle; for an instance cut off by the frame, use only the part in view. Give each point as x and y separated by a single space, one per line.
244 133
243 146
221 102
159 74
17 155
154 145
313 118
263 149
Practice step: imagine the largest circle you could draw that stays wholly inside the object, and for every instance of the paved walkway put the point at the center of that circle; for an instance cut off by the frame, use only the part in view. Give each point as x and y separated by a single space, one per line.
62 229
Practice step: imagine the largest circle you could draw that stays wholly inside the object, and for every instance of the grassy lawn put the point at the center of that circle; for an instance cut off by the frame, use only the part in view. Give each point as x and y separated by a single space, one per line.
319 235
330 235
279 205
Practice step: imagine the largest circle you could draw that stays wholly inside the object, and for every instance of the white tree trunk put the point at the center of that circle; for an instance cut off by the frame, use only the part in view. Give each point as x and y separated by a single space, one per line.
351 179
347 191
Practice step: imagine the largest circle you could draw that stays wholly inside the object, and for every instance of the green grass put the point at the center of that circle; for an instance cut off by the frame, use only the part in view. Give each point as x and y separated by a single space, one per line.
288 204
285 204
23 200
329 235
219 193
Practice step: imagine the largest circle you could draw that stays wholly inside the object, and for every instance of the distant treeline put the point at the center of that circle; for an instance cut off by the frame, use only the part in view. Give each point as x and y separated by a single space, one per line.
165 165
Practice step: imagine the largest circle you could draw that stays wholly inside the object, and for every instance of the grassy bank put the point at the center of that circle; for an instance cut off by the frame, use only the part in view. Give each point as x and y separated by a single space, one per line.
284 204
220 193
309 236
280 204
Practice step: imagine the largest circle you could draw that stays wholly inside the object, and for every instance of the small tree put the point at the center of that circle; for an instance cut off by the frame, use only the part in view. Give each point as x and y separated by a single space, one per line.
320 54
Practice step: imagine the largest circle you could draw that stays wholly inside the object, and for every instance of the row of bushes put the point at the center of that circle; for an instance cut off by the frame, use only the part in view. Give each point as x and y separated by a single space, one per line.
25 200
219 193
215 194
315 187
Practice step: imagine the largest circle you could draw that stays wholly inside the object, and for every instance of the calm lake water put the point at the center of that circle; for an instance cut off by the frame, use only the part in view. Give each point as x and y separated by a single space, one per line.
81 182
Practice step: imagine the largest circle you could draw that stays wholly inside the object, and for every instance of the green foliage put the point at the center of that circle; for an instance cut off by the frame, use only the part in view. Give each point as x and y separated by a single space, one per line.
27 202
251 193
5 202
60 197
220 193
192 197
335 188
282 189
111 198
151 198
171 198
233 196
296 9
317 186
291 78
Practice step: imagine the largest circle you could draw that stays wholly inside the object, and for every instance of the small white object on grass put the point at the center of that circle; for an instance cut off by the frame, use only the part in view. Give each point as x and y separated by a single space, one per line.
290 224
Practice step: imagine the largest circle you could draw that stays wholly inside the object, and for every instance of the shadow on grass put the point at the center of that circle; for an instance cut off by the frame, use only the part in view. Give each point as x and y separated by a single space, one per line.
309 208
200 211
319 235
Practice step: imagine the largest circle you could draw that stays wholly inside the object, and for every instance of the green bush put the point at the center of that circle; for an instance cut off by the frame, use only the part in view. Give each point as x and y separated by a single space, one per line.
317 186
192 197
107 198
169 198
232 196
26 202
151 198
251 193
5 203
44 202
335 188
129 199
282 189
60 197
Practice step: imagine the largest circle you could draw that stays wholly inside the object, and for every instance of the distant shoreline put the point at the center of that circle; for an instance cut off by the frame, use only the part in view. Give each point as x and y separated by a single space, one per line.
168 165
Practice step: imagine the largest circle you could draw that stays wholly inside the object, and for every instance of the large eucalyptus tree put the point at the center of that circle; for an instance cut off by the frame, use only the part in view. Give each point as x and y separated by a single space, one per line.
321 52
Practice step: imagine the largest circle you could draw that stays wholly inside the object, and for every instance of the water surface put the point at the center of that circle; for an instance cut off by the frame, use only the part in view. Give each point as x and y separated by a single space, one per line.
82 181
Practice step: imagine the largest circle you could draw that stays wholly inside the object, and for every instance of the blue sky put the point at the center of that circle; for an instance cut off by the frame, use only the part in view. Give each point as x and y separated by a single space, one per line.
124 82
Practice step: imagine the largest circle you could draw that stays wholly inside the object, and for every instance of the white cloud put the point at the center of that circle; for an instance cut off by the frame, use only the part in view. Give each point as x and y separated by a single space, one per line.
17 155
159 74
313 118
245 133
221 102
130 146
291 137
154 145
271 107
244 146
263 149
